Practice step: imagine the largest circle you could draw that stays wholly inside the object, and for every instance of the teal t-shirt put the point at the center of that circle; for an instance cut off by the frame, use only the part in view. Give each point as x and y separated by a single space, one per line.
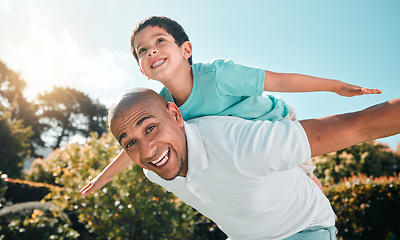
224 88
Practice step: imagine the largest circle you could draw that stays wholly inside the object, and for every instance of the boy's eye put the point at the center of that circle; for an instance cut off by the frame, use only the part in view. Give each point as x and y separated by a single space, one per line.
160 40
142 50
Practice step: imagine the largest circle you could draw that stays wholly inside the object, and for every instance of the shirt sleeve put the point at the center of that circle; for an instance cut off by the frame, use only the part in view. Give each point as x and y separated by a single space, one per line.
238 80
265 146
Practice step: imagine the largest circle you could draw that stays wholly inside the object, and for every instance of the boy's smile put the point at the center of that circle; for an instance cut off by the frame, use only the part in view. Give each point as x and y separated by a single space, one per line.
158 63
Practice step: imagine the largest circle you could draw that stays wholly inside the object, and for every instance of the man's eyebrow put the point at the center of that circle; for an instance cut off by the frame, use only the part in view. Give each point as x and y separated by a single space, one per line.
123 135
139 123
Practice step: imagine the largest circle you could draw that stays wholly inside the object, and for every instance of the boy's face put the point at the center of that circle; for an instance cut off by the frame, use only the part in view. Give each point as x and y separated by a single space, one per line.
160 58
154 138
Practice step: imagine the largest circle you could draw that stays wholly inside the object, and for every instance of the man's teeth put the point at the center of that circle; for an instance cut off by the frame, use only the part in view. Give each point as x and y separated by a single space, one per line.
158 63
161 160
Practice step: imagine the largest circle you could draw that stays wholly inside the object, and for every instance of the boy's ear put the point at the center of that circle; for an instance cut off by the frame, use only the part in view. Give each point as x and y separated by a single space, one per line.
187 49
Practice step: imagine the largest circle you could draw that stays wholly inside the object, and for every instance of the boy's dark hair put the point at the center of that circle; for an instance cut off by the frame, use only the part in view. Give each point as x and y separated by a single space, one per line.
169 25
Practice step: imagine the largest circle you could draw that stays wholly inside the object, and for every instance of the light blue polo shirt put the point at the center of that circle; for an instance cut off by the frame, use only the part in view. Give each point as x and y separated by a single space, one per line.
223 88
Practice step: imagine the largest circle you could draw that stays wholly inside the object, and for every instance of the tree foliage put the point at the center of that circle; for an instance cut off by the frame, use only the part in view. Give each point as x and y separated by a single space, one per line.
369 158
66 112
12 99
367 207
14 143
35 220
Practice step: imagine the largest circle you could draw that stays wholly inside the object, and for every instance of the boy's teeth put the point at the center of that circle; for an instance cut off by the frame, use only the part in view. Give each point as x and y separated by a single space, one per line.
158 63
161 160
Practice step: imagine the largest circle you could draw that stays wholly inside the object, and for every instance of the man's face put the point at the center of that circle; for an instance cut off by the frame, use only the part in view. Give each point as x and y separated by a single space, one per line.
154 139
158 54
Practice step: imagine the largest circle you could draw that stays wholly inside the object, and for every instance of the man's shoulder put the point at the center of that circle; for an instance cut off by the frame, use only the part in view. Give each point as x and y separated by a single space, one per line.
207 121
216 126
228 127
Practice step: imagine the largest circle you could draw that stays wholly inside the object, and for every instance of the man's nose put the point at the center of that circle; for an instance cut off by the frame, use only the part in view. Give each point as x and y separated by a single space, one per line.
147 148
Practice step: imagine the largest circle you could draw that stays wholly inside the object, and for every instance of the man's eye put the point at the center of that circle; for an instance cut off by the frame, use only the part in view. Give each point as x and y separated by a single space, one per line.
160 40
150 129
130 144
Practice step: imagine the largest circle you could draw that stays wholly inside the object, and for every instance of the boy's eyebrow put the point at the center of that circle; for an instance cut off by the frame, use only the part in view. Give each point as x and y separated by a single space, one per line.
139 123
154 36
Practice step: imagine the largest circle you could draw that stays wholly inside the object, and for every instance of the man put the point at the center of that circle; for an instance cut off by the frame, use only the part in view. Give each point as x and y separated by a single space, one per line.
243 175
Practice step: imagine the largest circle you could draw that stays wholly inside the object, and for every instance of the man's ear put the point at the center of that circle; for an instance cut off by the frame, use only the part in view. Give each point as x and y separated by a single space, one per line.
187 49
173 109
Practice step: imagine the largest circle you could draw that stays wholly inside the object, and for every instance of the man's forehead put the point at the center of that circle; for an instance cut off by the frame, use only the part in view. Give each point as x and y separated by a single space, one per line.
134 116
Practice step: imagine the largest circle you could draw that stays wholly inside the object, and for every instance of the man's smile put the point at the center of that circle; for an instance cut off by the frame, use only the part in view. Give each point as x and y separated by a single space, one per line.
162 159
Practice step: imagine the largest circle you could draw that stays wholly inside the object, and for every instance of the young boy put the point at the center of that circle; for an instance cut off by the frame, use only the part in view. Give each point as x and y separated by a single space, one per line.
164 53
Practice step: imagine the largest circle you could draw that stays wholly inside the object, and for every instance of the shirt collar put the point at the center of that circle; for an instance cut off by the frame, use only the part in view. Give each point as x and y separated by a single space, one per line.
197 156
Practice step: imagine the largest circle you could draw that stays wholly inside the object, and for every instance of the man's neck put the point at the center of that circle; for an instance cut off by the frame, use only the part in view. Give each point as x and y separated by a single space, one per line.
181 87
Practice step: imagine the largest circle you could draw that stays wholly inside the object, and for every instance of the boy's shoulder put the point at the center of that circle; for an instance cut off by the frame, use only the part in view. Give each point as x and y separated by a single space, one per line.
211 66
215 62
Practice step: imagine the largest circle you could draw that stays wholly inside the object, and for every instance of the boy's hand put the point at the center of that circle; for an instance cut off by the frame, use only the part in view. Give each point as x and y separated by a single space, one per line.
92 186
349 90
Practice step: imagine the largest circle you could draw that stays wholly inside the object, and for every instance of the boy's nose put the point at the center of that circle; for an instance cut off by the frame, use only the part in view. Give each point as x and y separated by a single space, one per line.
152 52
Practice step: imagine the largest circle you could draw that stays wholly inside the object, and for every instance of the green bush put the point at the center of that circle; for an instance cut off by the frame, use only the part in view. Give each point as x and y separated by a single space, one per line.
3 189
367 208
369 158
25 223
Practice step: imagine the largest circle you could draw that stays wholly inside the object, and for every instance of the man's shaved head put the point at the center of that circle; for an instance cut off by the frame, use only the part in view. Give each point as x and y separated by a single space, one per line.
151 131
147 97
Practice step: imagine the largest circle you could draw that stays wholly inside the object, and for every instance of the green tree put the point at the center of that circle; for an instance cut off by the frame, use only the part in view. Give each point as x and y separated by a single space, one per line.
66 112
369 158
14 143
12 98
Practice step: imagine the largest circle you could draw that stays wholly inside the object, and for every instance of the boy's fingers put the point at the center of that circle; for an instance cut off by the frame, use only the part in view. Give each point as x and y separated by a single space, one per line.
373 91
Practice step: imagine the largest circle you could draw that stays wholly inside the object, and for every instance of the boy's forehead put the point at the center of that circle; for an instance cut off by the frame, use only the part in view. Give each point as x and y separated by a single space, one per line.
148 33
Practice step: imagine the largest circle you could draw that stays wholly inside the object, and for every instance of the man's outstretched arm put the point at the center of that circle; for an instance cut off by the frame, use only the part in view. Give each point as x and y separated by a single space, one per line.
332 133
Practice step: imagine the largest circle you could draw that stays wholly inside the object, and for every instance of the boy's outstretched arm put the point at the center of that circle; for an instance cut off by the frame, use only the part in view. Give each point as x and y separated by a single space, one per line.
336 132
293 82
121 162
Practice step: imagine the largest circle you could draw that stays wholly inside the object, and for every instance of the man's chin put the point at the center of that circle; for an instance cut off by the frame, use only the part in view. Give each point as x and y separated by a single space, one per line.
177 174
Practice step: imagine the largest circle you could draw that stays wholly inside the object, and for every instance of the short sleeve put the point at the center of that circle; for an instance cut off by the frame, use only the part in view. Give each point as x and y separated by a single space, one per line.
265 146
238 80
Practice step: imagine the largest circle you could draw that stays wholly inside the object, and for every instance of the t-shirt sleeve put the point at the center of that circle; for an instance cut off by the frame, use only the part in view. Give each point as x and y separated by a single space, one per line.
233 79
265 146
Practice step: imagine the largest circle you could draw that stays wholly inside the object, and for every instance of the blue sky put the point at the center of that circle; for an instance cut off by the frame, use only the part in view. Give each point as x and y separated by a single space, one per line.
85 44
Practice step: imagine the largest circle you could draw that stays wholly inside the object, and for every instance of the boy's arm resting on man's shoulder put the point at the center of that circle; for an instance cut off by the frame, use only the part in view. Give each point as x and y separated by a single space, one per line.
120 162
293 82
336 132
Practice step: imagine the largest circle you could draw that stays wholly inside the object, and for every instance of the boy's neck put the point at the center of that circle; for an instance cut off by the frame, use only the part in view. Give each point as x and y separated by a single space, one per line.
181 86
